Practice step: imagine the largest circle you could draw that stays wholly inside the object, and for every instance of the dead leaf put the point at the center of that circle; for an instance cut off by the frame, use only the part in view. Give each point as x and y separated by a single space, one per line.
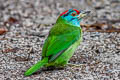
10 50
100 27
3 30
19 58
11 20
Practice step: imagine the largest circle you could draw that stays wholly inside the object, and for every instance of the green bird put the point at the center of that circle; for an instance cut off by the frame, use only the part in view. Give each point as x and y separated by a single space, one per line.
62 41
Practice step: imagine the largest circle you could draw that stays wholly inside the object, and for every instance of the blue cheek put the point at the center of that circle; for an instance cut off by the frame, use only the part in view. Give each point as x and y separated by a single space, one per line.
73 20
76 22
68 18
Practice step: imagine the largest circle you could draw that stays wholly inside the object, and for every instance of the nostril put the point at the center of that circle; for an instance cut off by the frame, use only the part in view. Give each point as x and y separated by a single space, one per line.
87 12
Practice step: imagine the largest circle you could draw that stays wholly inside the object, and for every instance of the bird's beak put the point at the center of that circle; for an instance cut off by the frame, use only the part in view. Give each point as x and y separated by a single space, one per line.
83 14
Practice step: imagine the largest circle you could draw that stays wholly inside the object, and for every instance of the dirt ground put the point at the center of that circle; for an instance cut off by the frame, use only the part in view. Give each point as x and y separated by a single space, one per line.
27 23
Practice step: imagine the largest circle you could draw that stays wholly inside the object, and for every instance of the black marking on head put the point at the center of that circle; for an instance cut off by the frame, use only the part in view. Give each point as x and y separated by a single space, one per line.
72 19
68 13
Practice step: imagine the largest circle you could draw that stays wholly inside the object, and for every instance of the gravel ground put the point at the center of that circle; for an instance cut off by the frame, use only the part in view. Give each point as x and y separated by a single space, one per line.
28 23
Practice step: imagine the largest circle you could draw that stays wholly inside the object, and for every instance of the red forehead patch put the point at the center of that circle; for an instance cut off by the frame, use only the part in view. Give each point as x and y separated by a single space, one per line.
64 13
76 11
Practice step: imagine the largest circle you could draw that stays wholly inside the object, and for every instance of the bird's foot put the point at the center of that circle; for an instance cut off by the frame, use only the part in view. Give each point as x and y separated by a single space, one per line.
74 65
51 68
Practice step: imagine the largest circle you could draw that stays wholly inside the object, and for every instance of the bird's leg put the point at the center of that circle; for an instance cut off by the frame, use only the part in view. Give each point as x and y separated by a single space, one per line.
60 68
51 68
74 65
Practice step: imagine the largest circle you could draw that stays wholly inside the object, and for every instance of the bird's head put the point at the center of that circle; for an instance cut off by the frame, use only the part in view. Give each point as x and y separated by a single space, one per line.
73 16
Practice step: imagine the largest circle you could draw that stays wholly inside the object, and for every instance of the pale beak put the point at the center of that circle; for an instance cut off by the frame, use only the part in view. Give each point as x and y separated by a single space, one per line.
83 14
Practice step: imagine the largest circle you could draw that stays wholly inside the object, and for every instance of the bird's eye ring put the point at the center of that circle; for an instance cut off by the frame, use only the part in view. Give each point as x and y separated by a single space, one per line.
74 14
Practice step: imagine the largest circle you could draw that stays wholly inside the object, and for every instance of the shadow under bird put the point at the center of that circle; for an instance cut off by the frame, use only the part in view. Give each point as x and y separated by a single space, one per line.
62 41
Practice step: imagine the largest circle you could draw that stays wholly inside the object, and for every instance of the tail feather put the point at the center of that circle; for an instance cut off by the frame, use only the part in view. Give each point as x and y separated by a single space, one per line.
36 66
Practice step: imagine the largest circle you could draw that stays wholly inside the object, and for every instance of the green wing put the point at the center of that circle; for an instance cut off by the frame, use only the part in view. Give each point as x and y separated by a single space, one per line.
60 38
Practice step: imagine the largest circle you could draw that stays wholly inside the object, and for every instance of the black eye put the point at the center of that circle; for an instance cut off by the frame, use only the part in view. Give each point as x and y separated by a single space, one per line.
74 14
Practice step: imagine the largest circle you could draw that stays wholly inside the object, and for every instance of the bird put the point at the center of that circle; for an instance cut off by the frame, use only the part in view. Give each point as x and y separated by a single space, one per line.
63 39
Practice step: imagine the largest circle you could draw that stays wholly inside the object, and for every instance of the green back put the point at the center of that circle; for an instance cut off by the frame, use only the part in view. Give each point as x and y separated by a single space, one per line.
60 37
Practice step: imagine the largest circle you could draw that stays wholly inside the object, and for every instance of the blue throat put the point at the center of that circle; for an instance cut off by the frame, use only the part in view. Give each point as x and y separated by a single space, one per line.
73 21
